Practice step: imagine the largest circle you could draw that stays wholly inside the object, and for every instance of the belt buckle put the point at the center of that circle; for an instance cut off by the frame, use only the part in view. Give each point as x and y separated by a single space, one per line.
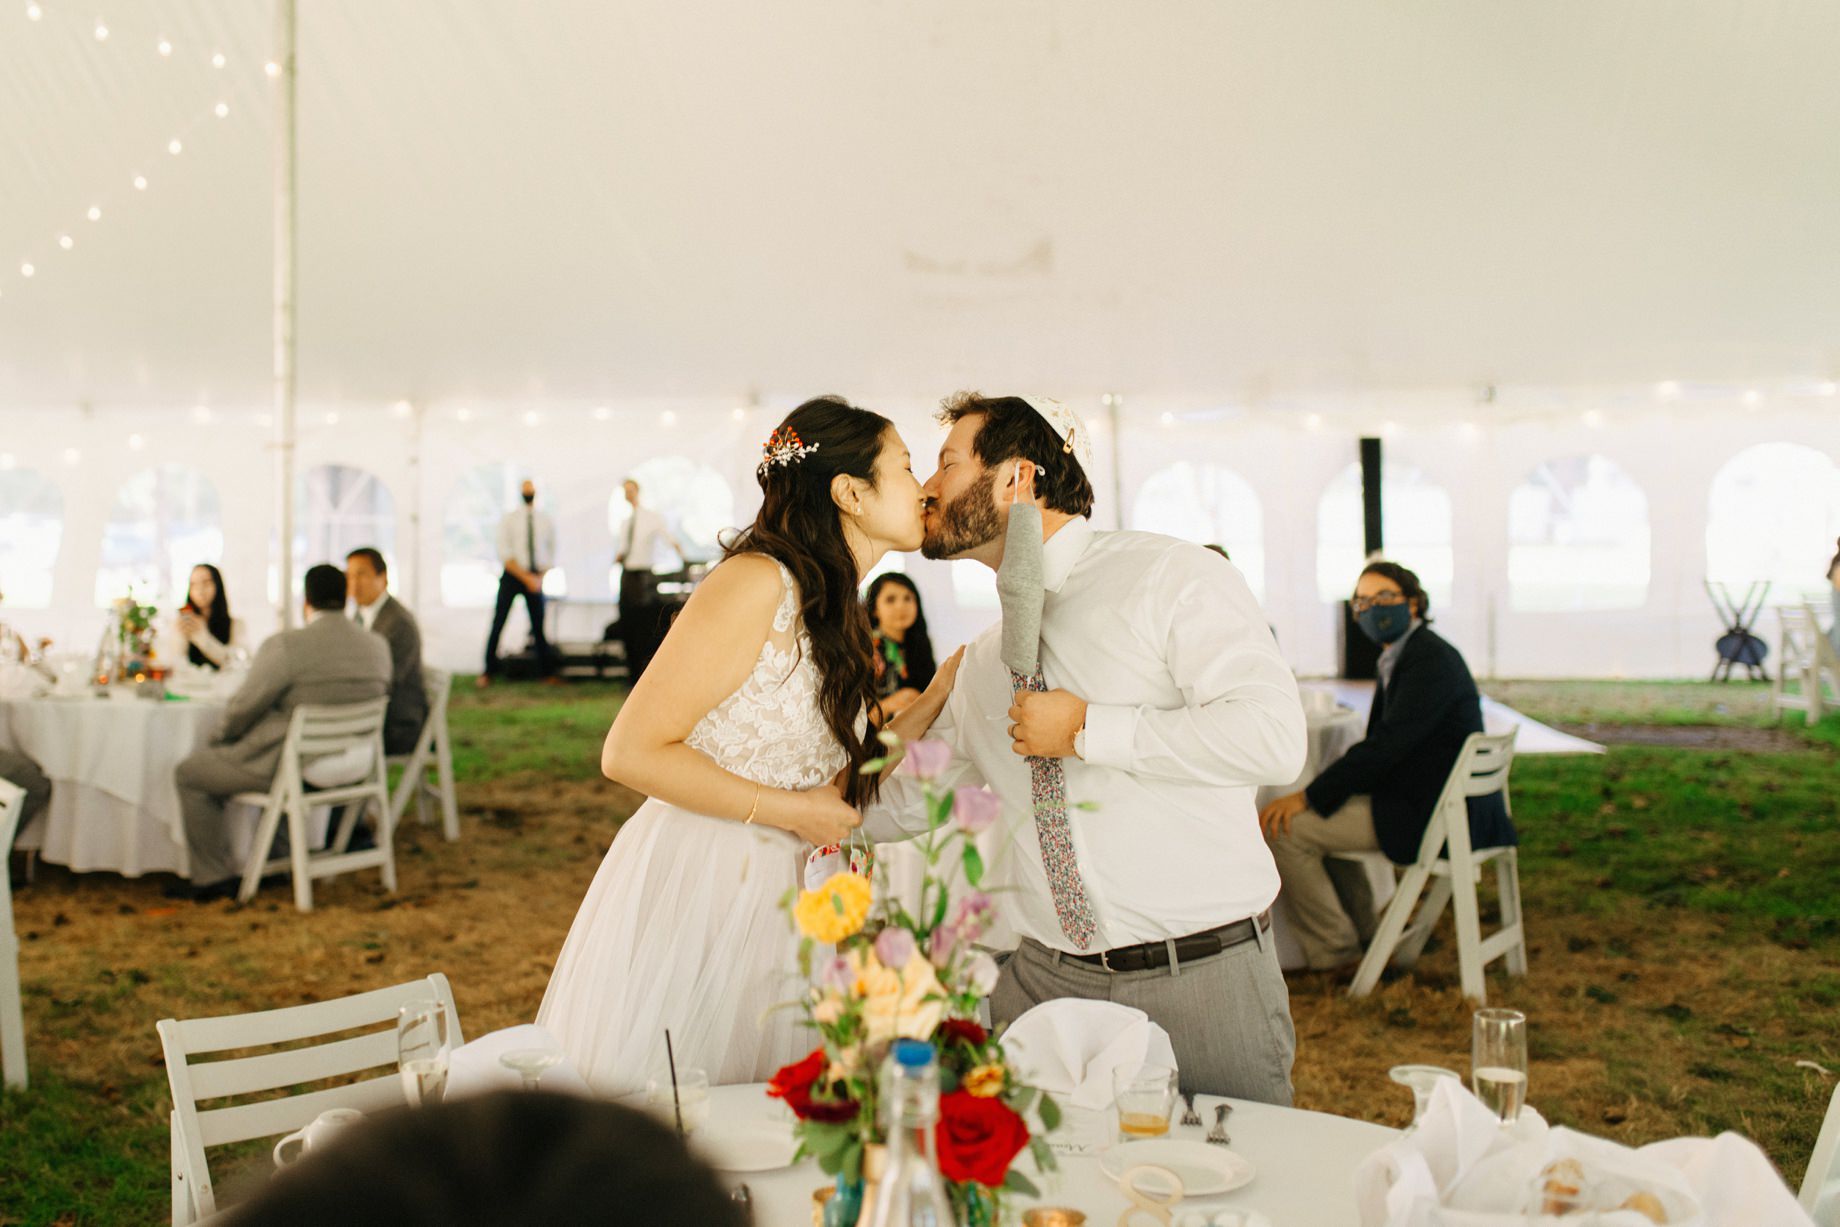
1105 961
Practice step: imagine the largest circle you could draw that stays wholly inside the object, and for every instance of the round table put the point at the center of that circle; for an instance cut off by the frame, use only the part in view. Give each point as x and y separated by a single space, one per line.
111 759
1305 1165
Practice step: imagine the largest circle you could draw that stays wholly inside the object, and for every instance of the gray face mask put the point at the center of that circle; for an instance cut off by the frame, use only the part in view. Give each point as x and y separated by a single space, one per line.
1019 588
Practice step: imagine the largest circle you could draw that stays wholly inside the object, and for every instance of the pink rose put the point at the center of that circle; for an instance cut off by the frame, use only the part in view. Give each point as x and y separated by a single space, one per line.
974 809
894 946
927 758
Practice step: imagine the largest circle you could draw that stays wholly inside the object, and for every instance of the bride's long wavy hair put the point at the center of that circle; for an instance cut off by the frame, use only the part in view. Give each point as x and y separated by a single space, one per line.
800 525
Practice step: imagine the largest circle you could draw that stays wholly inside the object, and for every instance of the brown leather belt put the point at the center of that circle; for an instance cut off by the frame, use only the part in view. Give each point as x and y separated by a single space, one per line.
1201 945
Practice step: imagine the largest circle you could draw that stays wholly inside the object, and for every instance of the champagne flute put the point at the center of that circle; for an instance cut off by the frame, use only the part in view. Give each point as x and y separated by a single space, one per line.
1498 1060
422 1044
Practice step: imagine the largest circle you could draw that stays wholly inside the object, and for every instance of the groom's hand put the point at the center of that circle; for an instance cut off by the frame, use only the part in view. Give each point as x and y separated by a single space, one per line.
1042 725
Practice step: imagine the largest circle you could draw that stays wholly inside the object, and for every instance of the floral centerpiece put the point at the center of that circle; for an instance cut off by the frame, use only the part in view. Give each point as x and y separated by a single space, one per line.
132 635
884 973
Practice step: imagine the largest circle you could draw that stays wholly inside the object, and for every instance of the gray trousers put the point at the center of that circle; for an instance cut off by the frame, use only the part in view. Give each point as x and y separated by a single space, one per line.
1331 905
16 768
1228 1015
206 780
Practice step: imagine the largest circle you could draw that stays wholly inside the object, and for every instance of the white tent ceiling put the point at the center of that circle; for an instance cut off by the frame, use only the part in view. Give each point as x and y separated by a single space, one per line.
1207 201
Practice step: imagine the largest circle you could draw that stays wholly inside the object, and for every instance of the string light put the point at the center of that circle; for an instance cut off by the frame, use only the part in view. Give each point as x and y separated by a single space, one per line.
221 110
1667 389
175 147
102 33
402 408
95 213
332 419
1592 419
1313 423
1753 398
136 442
26 269
464 415
602 413
532 417
668 417
217 60
165 47
1168 419
72 456
1471 431
272 69
140 183
740 415
66 242
201 415
33 12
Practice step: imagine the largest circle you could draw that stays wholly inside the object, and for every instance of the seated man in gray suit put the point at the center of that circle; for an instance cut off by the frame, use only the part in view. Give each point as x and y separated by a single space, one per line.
377 611
17 768
329 660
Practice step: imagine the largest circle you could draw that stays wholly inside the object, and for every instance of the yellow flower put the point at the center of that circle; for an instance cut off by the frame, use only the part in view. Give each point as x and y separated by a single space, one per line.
904 1004
835 910
984 1082
827 1010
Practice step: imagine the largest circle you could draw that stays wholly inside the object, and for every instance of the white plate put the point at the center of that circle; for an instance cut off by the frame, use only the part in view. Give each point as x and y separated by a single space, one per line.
1204 1168
745 1146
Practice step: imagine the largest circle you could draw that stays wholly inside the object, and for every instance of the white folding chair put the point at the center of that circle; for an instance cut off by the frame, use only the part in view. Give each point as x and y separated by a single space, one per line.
432 750
1800 648
194 1131
12 1018
316 732
1481 768
1821 1185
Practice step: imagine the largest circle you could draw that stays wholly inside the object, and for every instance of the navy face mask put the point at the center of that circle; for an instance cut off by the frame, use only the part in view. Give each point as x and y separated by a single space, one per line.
1385 623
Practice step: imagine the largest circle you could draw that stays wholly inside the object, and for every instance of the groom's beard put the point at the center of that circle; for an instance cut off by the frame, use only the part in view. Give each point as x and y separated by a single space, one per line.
965 523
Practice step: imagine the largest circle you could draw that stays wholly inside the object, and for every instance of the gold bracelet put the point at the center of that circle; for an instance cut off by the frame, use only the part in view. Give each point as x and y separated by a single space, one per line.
754 808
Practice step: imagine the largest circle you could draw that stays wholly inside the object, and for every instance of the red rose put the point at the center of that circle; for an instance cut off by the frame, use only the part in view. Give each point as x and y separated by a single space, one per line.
795 1083
977 1138
962 1029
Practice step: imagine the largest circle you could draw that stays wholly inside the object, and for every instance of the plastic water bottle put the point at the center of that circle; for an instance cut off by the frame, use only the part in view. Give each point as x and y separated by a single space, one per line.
910 1192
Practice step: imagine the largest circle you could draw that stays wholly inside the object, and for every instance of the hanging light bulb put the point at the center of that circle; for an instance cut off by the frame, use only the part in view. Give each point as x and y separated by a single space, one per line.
102 33
7 461
1313 423
95 213
272 69
165 47
532 417
217 60
136 442
332 419
602 413
668 417
66 242
1167 419
201 415
72 456
464 415
140 183
1593 419
402 409
740 415
33 12
26 269
221 109
1753 398
174 147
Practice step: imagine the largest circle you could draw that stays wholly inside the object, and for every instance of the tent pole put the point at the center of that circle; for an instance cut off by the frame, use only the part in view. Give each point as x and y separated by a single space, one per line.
285 426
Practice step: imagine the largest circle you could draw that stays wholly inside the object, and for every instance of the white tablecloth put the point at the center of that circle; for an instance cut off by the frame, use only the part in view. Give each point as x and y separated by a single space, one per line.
1305 1163
113 802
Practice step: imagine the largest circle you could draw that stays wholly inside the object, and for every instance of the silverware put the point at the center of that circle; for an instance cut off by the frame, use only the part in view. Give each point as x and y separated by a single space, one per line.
1190 1118
741 1194
1218 1134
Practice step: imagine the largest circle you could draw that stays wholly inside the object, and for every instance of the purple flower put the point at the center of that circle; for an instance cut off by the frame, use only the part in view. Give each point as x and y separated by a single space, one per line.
972 915
927 758
894 946
940 946
839 975
974 809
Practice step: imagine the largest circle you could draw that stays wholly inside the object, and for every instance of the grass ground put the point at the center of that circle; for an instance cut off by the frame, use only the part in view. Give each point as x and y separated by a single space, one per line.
1682 905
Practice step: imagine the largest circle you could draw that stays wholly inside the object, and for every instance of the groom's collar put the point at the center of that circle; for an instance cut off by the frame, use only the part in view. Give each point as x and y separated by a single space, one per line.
1060 552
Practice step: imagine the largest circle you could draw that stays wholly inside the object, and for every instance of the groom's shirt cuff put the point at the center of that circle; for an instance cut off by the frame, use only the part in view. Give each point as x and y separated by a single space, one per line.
1111 732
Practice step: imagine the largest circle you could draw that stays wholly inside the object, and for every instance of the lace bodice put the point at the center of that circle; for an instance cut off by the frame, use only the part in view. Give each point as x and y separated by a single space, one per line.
771 730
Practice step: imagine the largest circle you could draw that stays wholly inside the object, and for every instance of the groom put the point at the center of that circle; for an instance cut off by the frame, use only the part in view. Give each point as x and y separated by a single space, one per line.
1126 754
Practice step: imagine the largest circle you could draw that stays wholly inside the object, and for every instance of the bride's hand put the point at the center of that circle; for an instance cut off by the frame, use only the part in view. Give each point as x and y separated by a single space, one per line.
822 817
946 677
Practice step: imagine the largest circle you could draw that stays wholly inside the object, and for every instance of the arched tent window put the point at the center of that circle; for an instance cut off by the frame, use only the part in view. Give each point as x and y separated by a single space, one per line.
1208 505
1774 515
470 565
1418 531
31 530
165 521
1578 538
695 500
337 509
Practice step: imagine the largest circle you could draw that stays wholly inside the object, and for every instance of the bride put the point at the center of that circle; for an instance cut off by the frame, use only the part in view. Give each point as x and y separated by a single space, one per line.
745 733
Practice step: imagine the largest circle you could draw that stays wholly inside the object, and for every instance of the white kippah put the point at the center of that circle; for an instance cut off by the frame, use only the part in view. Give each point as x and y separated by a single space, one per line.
1076 440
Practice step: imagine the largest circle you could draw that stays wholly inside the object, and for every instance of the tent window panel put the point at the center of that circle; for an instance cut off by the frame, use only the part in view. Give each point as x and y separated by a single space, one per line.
470 565
1774 515
1578 538
1418 523
164 522
1209 505
339 508
31 532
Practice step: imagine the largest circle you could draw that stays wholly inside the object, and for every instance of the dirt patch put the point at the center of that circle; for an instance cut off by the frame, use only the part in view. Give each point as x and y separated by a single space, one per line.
1692 737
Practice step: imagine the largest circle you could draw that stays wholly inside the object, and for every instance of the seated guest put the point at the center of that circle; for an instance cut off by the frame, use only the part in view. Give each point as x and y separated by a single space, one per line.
205 622
903 652
329 660
1380 794
380 613
507 1159
1833 578
17 768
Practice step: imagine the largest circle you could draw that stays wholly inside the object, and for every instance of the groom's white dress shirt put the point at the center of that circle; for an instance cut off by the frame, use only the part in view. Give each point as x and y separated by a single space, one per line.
1190 709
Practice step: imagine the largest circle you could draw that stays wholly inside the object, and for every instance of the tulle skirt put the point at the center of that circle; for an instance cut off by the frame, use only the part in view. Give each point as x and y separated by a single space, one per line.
682 928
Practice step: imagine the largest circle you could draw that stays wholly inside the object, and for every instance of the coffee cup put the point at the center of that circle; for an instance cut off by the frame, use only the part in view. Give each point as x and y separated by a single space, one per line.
324 1127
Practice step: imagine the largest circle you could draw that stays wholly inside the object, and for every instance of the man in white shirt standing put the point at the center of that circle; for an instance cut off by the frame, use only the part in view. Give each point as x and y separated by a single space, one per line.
645 531
1132 865
527 544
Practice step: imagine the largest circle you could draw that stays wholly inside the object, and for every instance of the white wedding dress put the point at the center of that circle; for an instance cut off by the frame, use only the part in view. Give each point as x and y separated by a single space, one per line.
682 926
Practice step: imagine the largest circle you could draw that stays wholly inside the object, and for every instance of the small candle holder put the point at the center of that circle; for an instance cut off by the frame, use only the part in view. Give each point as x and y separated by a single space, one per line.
1052 1216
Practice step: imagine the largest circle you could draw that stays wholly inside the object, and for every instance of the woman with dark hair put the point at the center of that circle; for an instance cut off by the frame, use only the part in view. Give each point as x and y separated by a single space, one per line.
1833 578
903 651
205 623
746 735
1380 794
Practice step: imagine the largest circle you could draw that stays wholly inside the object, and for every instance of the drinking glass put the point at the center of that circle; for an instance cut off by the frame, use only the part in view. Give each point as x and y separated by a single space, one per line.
1498 1060
422 1044
691 1099
1420 1079
1145 1095
530 1063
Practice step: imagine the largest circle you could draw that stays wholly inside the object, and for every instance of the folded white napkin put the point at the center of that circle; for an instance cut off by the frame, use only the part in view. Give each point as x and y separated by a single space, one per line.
1462 1168
473 1069
1069 1048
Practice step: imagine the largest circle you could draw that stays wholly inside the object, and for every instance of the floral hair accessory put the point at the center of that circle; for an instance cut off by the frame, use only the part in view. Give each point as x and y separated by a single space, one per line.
783 447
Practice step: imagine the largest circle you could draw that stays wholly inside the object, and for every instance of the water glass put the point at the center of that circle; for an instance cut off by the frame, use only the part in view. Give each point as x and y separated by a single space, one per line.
691 1100
530 1063
423 1041
1145 1096
1498 1060
1420 1080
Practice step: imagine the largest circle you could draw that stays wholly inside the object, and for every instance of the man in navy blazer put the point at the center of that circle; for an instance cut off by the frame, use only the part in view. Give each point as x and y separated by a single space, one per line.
1380 794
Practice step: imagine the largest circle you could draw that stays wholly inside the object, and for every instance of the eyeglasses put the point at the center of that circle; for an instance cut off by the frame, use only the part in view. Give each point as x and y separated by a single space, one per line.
1362 604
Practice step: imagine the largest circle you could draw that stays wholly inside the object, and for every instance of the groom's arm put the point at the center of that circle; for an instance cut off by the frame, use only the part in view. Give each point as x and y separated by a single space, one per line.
1241 722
